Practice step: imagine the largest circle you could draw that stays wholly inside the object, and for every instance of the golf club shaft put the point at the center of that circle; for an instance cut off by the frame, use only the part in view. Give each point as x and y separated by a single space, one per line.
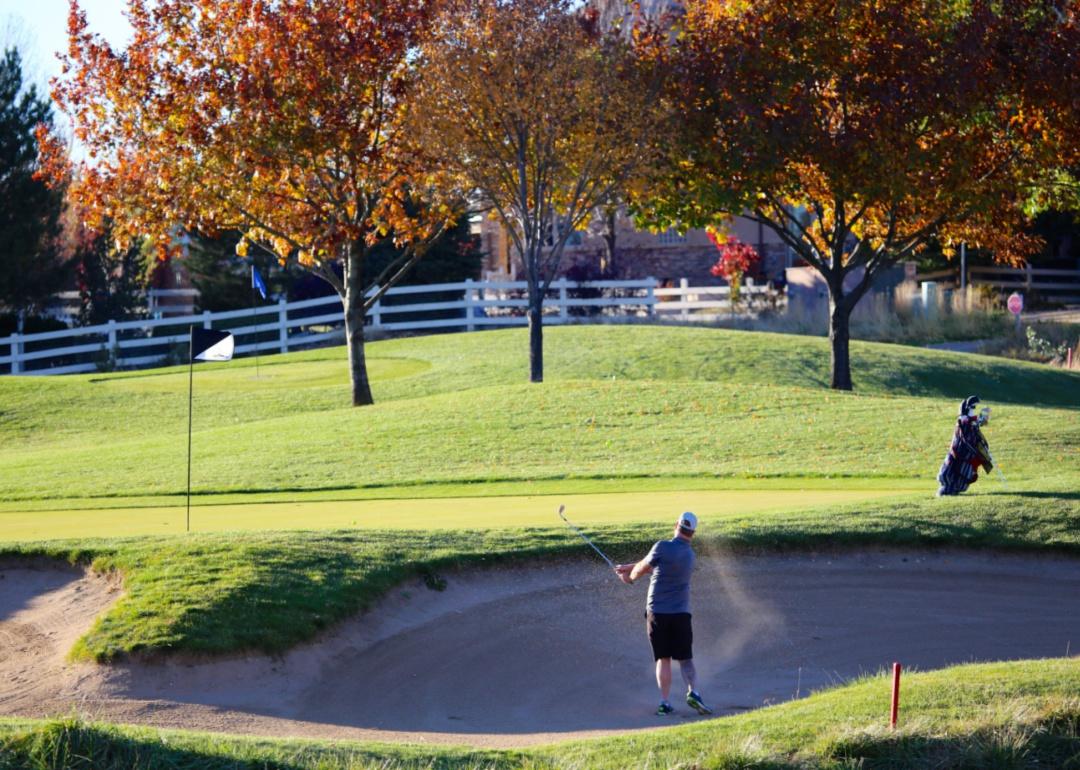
997 468
586 539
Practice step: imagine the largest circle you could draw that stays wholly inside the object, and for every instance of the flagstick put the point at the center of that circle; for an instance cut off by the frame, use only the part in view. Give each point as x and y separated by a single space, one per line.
255 323
191 383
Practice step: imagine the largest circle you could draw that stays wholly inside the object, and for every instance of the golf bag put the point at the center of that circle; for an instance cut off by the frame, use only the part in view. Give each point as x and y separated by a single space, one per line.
968 452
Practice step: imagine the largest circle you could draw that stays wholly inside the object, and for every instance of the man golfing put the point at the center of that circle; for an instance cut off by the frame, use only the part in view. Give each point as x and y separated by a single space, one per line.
670 563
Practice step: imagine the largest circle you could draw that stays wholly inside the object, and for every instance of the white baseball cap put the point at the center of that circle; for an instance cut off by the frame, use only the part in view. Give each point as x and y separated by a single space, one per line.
688 521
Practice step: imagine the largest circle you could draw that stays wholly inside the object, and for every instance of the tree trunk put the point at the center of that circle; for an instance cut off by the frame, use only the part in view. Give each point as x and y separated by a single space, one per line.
840 339
536 337
354 330
607 267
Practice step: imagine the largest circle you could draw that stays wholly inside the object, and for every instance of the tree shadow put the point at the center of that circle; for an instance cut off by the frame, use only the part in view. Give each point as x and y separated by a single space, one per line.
1070 495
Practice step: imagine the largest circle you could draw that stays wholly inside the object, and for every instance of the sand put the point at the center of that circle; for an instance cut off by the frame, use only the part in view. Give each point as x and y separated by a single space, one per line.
513 657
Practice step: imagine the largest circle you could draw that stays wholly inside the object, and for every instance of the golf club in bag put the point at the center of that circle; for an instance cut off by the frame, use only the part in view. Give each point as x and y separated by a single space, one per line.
584 537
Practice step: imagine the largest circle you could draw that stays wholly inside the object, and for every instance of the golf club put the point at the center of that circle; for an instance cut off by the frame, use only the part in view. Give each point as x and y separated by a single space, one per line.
998 469
584 537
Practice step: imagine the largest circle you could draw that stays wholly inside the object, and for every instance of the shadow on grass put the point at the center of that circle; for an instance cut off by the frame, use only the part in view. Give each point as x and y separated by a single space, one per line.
1060 495
993 380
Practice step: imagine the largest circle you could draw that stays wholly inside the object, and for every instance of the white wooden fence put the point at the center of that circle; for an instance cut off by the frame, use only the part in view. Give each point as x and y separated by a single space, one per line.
284 326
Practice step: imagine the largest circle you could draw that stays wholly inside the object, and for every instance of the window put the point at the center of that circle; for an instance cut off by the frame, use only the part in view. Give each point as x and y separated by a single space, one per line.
670 236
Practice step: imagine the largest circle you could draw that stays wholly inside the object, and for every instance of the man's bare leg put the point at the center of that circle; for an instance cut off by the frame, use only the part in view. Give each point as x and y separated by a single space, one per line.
693 699
663 678
689 674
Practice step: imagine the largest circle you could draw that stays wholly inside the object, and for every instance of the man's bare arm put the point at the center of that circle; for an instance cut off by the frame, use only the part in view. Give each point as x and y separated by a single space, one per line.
628 573
641 568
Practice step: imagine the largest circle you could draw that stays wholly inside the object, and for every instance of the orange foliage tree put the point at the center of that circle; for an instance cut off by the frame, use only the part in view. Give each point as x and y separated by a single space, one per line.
277 118
857 131
541 114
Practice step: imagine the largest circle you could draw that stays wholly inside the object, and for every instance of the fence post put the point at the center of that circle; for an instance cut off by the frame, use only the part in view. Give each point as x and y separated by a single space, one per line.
1027 271
206 324
376 313
564 314
684 284
18 347
650 296
283 330
112 352
16 353
469 300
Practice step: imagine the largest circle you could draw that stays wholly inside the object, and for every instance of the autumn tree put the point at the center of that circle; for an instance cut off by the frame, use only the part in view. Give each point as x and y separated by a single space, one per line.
530 105
857 131
1050 68
279 119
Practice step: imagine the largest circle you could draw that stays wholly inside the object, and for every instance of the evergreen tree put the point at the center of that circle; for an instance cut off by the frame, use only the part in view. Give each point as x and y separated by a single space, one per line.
31 267
110 283
224 279
455 256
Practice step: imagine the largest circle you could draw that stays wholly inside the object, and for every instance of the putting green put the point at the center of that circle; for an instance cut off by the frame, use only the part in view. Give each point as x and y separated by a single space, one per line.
422 513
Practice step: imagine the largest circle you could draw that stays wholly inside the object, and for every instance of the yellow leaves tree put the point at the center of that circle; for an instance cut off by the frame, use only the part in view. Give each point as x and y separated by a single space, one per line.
540 114
858 131
278 118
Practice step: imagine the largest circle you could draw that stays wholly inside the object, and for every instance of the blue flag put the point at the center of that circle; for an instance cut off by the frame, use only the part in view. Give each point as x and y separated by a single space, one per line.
257 281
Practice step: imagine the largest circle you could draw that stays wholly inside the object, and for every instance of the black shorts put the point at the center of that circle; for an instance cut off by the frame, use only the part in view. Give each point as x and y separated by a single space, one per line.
670 635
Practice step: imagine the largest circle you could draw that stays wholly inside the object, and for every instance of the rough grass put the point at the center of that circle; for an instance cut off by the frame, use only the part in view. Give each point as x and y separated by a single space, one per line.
999 715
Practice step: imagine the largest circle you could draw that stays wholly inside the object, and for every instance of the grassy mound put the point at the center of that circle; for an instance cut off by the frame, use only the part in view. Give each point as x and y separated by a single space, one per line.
619 403
1007 715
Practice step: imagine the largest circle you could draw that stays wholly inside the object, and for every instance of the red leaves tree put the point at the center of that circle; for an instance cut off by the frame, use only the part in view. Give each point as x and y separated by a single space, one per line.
735 259
858 131
278 118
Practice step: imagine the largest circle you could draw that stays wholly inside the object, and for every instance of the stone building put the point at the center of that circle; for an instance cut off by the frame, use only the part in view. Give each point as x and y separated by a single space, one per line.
667 256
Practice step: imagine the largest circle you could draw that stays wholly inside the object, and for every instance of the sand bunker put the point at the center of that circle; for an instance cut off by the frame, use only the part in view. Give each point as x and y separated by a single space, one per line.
521 656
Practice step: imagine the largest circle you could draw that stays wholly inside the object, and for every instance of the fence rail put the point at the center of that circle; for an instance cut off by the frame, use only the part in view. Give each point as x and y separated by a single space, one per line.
1057 285
284 326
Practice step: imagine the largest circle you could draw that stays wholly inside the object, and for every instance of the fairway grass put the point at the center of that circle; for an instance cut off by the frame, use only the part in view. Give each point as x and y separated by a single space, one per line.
543 432
443 513
619 402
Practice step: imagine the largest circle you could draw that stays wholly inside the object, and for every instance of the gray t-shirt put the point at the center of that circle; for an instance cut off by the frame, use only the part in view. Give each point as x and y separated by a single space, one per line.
669 587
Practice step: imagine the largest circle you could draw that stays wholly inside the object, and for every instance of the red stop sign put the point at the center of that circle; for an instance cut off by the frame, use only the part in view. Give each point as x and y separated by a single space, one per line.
1016 303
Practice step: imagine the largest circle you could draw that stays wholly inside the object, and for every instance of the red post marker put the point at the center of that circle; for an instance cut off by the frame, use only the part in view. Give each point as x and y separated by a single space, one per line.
895 695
